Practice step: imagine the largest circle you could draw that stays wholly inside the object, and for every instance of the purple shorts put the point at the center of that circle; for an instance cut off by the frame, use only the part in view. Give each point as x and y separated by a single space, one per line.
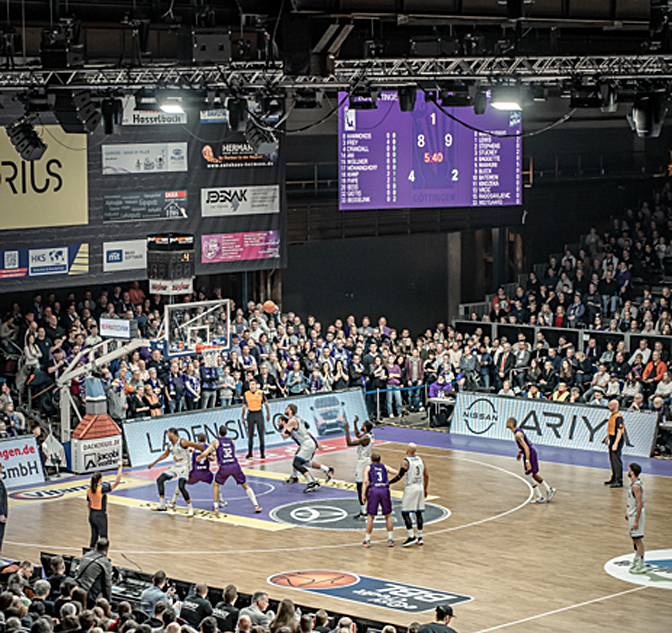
198 476
534 464
230 470
376 497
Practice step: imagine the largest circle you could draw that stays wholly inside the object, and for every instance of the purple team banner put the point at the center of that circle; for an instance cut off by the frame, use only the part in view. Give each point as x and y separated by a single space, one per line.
234 247
392 159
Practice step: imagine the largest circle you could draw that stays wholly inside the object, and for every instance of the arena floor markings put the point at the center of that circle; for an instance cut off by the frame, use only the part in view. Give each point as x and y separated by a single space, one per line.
516 567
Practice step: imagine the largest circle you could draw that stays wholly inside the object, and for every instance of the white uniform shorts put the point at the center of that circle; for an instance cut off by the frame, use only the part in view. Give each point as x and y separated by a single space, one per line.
413 499
359 472
639 532
306 451
178 471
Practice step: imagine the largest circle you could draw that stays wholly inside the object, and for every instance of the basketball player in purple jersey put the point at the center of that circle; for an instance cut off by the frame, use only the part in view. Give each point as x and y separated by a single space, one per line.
376 492
225 451
200 471
531 463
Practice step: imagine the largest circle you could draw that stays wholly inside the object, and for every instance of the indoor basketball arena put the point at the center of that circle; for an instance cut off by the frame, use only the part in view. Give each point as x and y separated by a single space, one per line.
345 316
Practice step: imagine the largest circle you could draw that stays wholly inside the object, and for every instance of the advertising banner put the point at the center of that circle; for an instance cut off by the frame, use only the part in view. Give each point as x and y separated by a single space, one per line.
43 262
550 423
232 247
367 590
101 453
143 158
49 192
240 200
144 205
326 415
131 116
118 328
21 461
171 287
126 255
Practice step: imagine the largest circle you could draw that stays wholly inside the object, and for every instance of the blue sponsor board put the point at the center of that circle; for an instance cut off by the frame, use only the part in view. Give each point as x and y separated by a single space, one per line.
326 415
42 262
367 590
550 423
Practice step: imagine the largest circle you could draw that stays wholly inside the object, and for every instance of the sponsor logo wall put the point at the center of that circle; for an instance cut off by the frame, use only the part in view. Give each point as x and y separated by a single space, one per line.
325 414
44 262
104 193
21 461
550 423
232 247
367 590
125 255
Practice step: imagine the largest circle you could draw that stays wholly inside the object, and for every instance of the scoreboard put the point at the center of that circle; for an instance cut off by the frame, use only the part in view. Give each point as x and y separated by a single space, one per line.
391 159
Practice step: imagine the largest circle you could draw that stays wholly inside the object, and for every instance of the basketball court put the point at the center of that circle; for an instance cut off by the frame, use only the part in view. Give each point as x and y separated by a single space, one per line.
504 564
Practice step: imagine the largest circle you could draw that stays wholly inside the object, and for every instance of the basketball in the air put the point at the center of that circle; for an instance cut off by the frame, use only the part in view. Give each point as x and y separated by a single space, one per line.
269 307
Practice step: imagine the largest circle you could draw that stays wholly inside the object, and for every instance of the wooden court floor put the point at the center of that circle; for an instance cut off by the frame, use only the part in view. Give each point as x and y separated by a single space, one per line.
528 568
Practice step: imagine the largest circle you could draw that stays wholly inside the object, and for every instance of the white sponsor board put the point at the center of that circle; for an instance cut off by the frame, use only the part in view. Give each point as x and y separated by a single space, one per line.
21 461
48 261
118 328
174 287
126 255
144 158
102 453
249 200
132 116
550 423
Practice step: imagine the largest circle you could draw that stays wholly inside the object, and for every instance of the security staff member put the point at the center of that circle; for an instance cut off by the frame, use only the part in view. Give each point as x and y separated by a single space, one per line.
96 497
444 614
253 400
614 441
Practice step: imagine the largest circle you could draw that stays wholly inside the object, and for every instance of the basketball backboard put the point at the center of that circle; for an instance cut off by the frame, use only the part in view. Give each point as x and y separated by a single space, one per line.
196 327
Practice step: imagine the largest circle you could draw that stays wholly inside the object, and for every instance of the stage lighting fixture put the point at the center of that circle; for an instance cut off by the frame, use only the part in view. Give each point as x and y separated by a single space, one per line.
308 99
112 110
585 98
261 141
455 95
363 99
407 96
145 99
506 98
77 112
609 98
648 113
170 102
25 140
480 102
238 114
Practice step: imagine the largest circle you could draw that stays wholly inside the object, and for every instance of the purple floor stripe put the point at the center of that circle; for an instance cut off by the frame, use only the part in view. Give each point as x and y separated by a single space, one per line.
569 456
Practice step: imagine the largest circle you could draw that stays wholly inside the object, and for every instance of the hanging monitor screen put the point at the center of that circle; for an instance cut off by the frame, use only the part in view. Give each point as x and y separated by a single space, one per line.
389 159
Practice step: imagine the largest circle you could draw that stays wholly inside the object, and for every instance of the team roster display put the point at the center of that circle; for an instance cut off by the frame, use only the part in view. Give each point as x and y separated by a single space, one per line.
391 159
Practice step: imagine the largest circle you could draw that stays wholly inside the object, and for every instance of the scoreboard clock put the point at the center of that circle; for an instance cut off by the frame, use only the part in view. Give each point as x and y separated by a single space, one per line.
170 263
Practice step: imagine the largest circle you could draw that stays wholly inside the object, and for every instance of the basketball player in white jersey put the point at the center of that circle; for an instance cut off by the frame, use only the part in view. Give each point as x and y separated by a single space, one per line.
179 448
634 515
364 444
415 491
291 425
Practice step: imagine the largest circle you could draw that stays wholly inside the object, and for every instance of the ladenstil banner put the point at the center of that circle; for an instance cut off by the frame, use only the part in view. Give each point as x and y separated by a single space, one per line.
326 415
550 423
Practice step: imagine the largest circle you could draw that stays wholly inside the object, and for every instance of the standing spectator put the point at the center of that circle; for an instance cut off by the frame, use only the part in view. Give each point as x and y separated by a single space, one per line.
393 387
415 377
94 574
4 506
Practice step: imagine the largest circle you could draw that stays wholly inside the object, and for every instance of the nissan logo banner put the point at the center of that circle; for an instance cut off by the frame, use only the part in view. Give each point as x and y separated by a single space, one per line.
550 423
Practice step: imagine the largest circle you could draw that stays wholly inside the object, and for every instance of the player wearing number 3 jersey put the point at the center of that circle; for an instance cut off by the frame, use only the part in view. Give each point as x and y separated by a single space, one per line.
376 493
417 480
224 450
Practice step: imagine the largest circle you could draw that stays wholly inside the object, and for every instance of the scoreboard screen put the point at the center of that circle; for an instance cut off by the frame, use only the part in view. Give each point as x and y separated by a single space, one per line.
389 159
